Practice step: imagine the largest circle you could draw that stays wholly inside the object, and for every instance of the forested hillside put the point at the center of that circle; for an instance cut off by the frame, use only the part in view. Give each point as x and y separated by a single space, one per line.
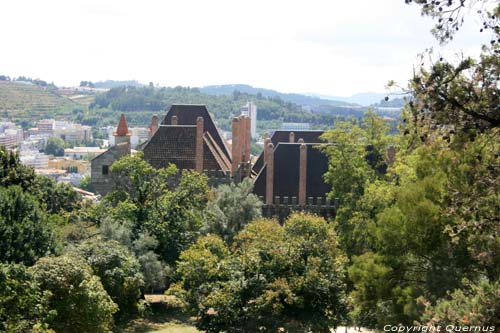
140 103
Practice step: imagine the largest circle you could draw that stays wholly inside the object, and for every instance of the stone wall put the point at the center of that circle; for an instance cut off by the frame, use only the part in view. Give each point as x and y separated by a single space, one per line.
102 183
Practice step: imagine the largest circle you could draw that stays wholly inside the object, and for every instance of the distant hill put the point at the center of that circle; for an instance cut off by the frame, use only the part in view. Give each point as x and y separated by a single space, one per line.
26 101
299 99
364 99
113 84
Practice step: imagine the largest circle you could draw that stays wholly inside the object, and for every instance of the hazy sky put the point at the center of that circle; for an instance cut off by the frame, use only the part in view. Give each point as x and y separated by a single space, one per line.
335 47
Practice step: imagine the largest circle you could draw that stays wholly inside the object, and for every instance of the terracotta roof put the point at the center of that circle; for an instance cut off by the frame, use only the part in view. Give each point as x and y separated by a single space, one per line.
188 113
122 129
286 172
284 137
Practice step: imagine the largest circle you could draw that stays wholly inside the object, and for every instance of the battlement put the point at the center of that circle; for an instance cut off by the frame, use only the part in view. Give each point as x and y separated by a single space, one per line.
284 206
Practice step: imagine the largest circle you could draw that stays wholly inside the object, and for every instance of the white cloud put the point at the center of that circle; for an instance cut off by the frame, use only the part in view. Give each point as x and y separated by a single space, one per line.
330 47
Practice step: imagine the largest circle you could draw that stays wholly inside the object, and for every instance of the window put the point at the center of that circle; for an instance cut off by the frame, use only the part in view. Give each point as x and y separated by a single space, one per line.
105 169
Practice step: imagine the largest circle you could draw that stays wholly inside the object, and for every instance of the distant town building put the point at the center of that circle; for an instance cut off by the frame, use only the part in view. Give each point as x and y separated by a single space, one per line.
295 126
66 130
139 135
66 163
79 153
72 132
46 127
34 159
250 110
11 135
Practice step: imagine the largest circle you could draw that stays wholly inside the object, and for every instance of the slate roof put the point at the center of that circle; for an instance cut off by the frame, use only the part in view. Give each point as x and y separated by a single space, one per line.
284 137
286 172
187 115
177 145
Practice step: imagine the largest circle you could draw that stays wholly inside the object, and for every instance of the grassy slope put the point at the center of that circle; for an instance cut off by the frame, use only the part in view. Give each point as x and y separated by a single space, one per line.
22 101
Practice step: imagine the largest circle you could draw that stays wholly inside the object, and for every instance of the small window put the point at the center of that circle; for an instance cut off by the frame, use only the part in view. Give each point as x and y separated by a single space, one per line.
105 169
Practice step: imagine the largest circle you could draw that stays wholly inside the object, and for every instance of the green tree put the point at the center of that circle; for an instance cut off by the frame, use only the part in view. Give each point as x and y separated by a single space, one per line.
118 270
23 305
476 305
12 172
78 297
274 277
24 229
55 146
234 207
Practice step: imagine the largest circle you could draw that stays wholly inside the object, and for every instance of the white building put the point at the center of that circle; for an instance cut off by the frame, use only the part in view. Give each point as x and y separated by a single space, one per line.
139 135
79 153
34 159
66 130
11 135
72 132
250 110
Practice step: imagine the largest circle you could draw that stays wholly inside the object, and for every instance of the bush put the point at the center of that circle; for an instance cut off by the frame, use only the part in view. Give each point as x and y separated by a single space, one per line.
78 297
118 270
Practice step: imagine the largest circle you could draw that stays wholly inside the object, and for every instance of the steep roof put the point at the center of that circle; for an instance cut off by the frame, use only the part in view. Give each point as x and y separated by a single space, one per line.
286 172
177 145
188 113
122 129
284 137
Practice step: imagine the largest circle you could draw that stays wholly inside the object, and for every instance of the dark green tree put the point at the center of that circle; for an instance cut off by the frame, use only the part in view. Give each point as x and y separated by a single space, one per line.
55 146
24 229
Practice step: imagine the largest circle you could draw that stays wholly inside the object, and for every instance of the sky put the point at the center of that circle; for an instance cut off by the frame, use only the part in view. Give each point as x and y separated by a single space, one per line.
335 47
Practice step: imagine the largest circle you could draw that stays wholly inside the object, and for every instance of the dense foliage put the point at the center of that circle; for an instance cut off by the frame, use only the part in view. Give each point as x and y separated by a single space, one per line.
80 302
274 278
233 207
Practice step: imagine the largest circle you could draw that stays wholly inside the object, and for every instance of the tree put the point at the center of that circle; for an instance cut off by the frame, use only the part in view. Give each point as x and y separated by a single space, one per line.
24 229
356 158
12 172
232 209
78 297
476 305
273 278
56 197
55 146
23 305
118 270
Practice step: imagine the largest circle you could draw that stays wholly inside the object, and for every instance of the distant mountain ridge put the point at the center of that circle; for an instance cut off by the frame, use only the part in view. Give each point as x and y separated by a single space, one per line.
299 99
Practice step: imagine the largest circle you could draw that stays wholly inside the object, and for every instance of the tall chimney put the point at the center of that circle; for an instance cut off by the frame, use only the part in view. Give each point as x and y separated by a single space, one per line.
235 147
270 174
291 137
248 140
199 144
173 120
154 125
302 173
267 141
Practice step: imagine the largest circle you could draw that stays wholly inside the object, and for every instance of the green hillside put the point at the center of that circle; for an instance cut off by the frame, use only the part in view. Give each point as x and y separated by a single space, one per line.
20 101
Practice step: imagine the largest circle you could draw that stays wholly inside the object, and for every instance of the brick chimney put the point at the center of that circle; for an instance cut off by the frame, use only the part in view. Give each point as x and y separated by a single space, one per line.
122 134
291 137
154 125
199 145
267 141
236 146
302 173
270 174
173 120
248 139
